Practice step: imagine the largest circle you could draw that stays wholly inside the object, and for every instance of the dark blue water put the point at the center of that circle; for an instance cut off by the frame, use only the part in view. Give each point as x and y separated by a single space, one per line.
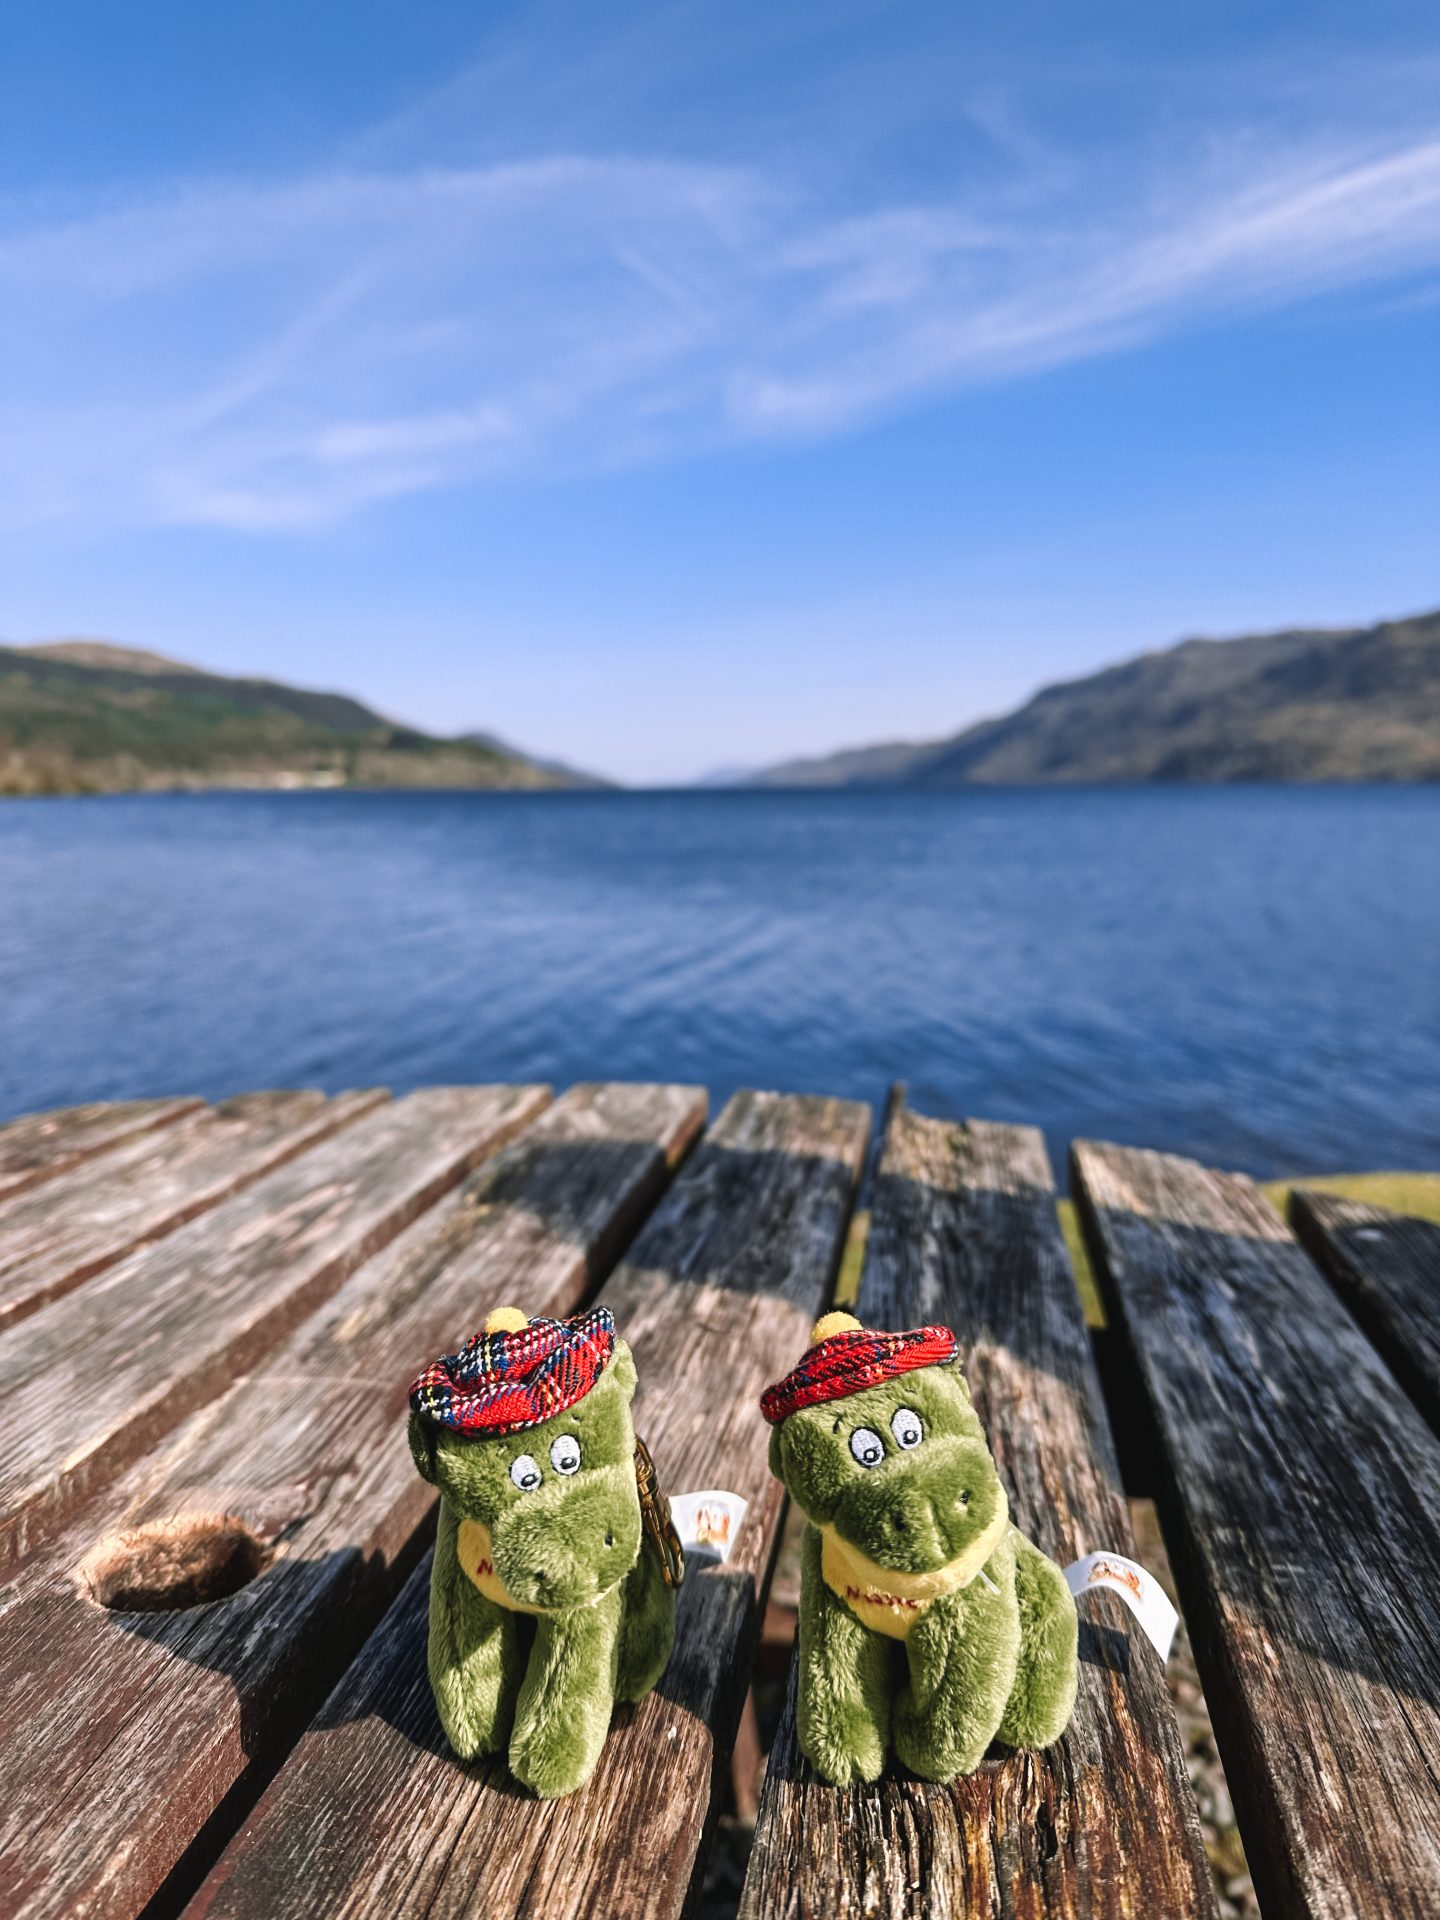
1248 975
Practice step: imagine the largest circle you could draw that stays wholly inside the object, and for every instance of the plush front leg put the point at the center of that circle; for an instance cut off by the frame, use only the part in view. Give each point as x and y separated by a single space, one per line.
1043 1696
843 1688
961 1655
563 1713
474 1653
647 1628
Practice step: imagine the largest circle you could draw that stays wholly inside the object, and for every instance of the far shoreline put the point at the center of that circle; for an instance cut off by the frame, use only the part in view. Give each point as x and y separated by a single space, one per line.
302 789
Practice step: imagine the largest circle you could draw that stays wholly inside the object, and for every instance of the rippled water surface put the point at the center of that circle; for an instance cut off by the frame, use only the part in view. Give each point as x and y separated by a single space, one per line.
1250 975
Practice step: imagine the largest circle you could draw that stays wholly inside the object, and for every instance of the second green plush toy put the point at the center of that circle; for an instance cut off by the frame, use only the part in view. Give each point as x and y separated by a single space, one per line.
552 1592
928 1624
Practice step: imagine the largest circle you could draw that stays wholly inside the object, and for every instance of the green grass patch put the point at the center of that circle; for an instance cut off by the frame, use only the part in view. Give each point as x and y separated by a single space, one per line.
1080 1261
852 1261
1417 1194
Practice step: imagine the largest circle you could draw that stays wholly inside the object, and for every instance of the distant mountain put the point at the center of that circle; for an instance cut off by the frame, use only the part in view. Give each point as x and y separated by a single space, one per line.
727 777
567 776
82 716
101 653
1356 703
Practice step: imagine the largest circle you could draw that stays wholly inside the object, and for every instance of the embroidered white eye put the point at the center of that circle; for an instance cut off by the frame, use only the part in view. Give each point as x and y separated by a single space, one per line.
524 1472
565 1454
907 1426
867 1446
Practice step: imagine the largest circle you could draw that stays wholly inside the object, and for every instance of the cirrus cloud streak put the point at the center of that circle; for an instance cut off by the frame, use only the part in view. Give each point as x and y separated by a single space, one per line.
281 354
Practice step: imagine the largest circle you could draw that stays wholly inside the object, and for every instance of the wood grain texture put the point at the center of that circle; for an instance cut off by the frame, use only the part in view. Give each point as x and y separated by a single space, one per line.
41 1145
1300 1493
1386 1268
372 1815
94 1379
138 1725
56 1236
964 1233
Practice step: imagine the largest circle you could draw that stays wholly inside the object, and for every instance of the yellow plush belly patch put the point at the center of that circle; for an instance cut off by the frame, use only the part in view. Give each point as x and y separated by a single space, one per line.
472 1546
890 1602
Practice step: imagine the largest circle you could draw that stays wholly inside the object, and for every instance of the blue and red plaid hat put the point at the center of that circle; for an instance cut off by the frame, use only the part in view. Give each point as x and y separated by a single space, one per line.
504 1382
851 1358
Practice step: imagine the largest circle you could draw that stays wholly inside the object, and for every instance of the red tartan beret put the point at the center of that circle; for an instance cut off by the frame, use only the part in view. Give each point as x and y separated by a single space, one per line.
504 1382
849 1361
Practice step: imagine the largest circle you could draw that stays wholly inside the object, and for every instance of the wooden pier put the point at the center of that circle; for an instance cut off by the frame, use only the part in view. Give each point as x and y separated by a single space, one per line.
214 1546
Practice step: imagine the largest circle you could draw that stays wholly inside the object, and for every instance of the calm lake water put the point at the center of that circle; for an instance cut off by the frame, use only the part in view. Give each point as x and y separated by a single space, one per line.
1248 975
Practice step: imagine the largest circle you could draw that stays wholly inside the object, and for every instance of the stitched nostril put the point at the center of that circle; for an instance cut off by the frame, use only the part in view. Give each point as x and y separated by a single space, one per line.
609 1539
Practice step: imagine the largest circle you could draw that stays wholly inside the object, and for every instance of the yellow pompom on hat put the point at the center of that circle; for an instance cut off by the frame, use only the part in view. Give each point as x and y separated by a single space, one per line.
507 1320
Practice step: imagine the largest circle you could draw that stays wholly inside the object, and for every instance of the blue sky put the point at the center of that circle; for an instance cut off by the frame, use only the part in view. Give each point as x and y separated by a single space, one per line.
672 385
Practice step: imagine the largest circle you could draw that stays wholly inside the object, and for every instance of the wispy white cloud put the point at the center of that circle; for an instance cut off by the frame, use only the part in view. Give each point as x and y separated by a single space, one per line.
280 354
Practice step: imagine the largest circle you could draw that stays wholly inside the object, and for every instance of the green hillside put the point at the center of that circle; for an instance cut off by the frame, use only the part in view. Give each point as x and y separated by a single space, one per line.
1360 703
86 717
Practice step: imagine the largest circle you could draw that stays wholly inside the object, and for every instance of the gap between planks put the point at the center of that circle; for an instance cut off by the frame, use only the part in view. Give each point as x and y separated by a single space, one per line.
1386 1268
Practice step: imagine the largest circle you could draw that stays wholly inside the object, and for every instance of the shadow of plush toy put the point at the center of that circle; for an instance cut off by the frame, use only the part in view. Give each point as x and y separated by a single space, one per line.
527 1434
909 1541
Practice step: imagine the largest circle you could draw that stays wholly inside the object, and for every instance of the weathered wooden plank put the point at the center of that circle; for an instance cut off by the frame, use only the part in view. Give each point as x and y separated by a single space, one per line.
1300 1493
54 1237
138 1724
40 1145
371 1815
964 1233
94 1379
1386 1268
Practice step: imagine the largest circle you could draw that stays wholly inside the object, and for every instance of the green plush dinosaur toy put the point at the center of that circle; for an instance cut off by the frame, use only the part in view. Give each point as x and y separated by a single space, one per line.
547 1602
928 1624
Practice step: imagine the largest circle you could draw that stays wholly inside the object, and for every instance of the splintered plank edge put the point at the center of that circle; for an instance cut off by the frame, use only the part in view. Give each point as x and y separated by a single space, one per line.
55 1237
39 1146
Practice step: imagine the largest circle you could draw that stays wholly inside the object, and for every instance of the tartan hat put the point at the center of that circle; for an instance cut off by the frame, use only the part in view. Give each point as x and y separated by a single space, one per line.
845 1358
516 1373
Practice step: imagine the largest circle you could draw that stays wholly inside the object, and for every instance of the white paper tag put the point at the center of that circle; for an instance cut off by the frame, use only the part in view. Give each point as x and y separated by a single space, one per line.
1140 1591
708 1522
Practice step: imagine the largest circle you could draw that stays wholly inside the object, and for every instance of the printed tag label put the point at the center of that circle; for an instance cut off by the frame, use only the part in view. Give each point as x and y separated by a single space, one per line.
708 1522
1140 1591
